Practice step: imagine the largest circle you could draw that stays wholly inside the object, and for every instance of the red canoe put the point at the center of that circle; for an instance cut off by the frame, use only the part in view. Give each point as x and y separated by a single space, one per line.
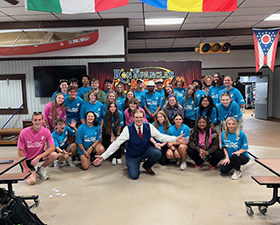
32 42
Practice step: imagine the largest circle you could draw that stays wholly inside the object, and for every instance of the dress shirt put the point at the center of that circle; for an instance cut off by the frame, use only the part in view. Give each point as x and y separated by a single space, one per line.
125 137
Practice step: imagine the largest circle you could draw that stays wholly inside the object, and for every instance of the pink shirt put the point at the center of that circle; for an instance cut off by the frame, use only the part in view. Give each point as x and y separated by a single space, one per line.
47 114
129 116
33 143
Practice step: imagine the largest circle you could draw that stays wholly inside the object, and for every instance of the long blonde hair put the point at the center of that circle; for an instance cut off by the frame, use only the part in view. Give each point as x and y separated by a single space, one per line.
236 130
55 105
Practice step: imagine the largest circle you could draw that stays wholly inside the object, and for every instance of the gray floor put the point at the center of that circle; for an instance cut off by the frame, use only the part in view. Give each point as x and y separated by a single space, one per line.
105 195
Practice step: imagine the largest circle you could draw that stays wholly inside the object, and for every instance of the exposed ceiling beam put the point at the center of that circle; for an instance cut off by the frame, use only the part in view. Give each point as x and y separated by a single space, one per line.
188 33
64 23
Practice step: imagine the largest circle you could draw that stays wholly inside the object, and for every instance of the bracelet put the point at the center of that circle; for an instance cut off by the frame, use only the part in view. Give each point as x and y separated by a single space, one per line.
85 151
91 147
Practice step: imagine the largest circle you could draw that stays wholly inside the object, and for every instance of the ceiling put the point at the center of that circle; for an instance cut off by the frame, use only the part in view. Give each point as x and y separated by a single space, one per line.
235 27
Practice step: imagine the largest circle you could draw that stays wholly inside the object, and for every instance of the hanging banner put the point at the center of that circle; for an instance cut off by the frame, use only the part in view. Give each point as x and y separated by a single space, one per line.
128 73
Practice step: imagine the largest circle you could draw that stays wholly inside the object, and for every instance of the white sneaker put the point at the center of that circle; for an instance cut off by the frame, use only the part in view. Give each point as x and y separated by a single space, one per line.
236 175
114 161
119 161
42 173
56 164
183 165
70 162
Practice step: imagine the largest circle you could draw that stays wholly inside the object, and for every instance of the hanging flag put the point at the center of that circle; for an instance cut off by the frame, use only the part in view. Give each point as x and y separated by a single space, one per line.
265 42
73 6
194 5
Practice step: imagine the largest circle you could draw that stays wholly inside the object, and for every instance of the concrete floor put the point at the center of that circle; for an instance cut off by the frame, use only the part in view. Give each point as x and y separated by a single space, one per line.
105 195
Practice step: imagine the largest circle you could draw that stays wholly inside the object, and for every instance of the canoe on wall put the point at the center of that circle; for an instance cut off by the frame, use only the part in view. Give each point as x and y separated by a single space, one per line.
32 42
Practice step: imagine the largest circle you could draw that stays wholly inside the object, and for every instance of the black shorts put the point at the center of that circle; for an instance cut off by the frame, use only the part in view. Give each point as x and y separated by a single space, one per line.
28 163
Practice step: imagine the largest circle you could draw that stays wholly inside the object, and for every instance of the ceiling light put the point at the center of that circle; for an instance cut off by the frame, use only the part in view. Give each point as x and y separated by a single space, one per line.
273 17
164 21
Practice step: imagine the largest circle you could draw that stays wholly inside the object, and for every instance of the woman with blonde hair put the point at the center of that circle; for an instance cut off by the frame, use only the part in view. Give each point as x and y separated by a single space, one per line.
162 124
229 108
54 110
235 146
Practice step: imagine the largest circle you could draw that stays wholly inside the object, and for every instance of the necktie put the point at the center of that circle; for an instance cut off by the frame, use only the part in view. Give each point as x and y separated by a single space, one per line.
139 132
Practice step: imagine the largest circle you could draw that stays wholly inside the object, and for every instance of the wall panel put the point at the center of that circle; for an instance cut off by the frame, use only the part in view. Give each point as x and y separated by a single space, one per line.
26 67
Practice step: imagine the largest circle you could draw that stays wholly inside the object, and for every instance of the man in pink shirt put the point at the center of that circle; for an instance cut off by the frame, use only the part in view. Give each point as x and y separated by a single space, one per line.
31 144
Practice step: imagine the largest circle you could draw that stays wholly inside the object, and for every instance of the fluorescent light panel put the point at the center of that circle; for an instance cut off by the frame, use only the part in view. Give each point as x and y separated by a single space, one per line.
273 17
164 21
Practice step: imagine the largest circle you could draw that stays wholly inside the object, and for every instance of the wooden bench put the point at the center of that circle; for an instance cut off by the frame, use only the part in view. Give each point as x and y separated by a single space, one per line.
9 132
267 180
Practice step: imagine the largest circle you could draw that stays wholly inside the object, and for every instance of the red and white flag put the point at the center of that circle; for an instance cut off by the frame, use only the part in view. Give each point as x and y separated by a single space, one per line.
265 42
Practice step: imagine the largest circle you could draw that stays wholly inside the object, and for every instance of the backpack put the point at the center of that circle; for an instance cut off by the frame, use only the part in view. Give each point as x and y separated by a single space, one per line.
17 212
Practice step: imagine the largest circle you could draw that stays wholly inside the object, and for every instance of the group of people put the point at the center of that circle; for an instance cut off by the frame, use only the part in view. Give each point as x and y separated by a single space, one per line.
156 124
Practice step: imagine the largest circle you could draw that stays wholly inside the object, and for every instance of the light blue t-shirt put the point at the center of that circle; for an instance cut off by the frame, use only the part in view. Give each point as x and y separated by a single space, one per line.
113 120
213 117
233 145
82 90
73 109
161 94
96 108
199 93
60 140
189 108
235 95
87 136
180 92
232 111
161 129
138 94
214 93
120 101
184 129
151 101
65 95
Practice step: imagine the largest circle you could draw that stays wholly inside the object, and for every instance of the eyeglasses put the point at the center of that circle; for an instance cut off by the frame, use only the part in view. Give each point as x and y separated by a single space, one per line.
37 113
63 80
226 92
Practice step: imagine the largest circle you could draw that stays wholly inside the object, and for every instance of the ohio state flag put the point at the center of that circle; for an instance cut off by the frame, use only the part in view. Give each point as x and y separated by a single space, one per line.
265 42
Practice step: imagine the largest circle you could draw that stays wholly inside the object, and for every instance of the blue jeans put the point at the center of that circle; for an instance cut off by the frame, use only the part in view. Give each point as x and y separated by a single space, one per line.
133 164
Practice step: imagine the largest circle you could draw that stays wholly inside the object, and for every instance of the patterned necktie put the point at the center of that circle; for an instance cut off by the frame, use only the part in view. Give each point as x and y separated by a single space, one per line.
139 132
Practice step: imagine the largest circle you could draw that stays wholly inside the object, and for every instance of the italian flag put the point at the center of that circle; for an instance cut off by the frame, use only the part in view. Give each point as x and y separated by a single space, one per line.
73 6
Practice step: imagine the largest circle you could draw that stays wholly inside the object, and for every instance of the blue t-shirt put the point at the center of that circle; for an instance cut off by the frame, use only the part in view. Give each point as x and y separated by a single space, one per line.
232 111
233 145
161 129
213 117
161 94
151 101
120 101
180 92
87 136
138 94
82 90
113 120
60 140
199 93
189 108
73 109
96 108
65 95
214 93
184 129
235 95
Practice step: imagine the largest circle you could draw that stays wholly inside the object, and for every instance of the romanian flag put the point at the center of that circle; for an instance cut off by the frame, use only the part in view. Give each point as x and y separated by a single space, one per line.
73 6
194 5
